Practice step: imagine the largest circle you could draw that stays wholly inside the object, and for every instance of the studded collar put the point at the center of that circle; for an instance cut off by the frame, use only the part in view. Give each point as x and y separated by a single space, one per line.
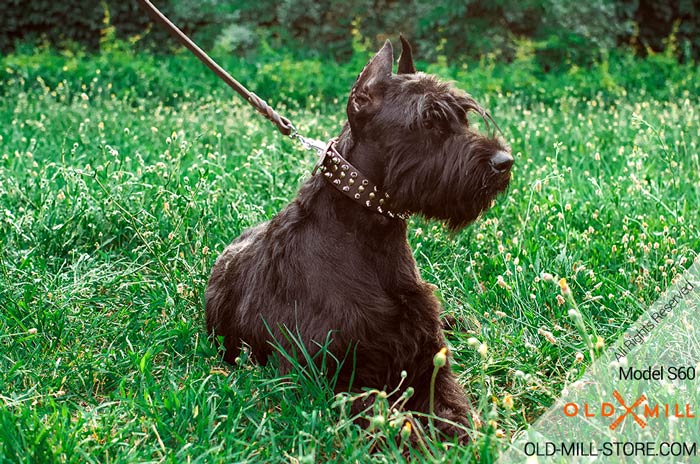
349 181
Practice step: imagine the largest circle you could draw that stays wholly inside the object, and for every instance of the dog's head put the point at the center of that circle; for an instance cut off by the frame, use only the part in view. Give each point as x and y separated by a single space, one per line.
430 158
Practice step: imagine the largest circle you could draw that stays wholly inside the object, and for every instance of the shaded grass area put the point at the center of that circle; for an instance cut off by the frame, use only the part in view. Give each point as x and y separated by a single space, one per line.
116 195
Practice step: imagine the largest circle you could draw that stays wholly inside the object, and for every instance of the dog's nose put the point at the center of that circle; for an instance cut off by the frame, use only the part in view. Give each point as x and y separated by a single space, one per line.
501 161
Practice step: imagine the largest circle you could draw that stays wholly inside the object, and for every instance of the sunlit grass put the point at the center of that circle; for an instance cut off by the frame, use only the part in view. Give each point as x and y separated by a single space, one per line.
114 204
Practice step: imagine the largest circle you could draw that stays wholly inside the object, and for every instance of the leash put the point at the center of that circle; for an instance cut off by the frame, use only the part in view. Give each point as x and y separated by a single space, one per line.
337 171
283 124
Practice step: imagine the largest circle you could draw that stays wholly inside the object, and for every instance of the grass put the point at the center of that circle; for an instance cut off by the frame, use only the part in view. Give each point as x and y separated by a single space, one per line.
119 187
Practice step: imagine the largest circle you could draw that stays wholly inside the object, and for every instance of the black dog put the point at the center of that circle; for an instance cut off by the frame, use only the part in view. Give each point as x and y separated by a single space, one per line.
336 259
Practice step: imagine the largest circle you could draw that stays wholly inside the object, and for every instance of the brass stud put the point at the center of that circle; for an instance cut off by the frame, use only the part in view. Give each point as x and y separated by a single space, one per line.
360 189
336 160
342 174
381 201
371 196
351 181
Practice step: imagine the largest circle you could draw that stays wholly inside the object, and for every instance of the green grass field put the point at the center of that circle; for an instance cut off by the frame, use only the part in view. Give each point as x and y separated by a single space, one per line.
122 176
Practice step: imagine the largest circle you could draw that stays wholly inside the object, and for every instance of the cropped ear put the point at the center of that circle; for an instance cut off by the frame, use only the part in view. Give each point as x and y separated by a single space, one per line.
366 96
406 65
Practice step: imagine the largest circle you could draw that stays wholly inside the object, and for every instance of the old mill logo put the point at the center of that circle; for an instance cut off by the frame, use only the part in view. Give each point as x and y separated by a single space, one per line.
625 409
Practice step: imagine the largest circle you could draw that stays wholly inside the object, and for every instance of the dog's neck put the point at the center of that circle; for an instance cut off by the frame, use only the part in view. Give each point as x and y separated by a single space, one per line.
354 184
364 155
320 197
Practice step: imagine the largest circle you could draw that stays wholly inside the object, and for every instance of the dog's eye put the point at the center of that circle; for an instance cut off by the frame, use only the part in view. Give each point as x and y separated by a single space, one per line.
434 121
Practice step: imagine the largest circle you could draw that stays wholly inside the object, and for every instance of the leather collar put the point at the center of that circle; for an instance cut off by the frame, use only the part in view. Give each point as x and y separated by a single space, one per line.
349 181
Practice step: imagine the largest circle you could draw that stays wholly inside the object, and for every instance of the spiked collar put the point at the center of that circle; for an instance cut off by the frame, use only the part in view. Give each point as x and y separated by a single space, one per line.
349 181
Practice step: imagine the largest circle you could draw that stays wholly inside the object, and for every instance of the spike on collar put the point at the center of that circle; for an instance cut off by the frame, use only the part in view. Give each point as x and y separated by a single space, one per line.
349 181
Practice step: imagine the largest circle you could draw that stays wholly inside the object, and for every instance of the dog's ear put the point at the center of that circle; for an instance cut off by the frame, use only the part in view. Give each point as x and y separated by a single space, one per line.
406 65
365 96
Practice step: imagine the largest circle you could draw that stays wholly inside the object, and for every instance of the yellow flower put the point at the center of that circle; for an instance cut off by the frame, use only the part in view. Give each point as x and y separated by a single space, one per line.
564 286
508 401
599 343
440 359
406 430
